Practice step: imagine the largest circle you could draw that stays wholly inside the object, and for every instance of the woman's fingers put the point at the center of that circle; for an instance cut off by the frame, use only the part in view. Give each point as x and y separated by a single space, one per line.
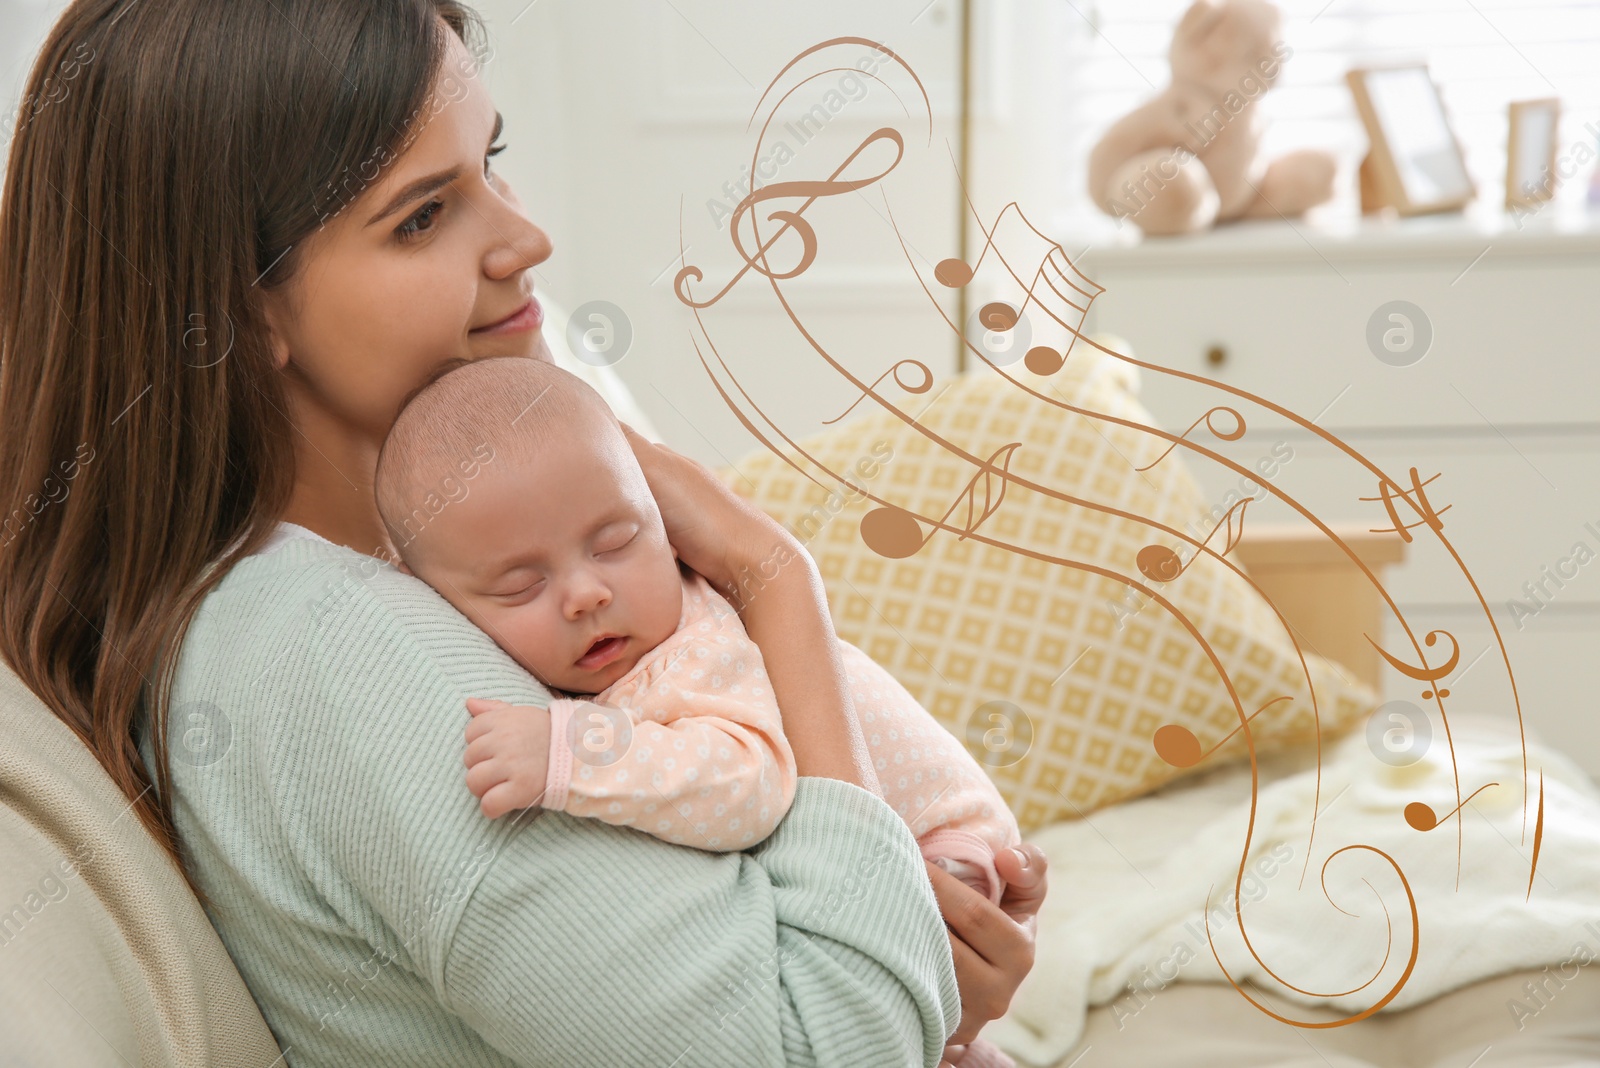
711 528
977 981
1025 869
969 915
992 952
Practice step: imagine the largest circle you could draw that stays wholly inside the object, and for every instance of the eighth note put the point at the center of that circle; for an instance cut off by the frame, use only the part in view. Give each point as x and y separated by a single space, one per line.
1421 817
893 532
1043 360
1062 292
998 316
1177 745
953 273
1158 563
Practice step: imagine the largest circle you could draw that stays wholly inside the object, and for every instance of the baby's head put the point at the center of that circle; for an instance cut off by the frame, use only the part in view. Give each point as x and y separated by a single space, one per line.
506 484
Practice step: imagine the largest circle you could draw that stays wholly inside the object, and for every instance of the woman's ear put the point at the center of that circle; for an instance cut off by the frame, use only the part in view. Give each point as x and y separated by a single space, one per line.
278 344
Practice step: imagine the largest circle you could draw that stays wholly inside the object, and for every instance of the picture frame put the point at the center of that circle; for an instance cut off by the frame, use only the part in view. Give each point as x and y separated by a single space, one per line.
1415 164
1533 127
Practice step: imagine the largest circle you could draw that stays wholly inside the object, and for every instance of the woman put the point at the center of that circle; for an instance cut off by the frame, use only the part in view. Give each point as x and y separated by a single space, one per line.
235 237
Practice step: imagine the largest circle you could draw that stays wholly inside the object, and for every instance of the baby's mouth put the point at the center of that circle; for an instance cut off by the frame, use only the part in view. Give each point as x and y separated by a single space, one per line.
603 651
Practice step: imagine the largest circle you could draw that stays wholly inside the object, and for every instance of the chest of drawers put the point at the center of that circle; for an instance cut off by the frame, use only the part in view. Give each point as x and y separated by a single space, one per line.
1465 347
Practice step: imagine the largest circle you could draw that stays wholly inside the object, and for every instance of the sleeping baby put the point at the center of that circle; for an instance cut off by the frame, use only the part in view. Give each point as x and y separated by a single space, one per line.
662 718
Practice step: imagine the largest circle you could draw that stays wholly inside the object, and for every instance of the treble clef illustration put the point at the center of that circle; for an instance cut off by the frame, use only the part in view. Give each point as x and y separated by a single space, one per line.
831 186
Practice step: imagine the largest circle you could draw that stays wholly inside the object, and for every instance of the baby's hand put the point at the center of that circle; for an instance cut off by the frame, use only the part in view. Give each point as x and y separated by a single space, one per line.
508 753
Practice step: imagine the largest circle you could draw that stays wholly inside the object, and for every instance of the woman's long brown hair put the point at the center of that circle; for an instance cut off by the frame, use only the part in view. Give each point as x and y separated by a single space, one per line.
168 159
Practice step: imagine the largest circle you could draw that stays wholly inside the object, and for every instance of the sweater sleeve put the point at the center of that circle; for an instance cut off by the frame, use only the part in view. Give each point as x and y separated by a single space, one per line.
566 941
705 770
821 947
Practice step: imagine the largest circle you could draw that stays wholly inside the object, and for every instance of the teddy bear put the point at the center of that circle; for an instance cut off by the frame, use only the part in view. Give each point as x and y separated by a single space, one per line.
1190 156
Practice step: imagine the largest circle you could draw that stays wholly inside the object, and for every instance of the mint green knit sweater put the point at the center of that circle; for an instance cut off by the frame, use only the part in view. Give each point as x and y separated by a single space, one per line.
379 919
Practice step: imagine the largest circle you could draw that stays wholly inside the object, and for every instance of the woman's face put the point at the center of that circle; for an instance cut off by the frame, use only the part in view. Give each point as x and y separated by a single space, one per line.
410 273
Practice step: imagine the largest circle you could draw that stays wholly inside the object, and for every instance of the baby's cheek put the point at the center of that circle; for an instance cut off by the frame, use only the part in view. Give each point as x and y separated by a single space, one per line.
521 635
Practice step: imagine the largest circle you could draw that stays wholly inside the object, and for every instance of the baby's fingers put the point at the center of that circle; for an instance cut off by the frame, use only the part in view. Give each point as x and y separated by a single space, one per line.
480 748
483 776
479 705
502 798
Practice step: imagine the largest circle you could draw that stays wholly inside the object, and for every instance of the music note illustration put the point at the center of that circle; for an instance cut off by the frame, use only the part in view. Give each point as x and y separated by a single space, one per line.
831 186
1538 837
1055 277
1221 435
1023 289
893 532
918 389
1158 563
1425 673
1422 506
1421 816
1178 746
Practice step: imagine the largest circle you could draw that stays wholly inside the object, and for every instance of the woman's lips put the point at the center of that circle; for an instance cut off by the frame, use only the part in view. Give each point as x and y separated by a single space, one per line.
602 653
528 317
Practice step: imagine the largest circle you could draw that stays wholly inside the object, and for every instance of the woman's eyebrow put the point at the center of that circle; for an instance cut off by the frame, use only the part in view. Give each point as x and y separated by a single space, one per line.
431 183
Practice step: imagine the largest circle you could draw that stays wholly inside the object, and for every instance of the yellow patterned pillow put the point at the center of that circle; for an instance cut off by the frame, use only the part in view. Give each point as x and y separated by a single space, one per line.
1058 678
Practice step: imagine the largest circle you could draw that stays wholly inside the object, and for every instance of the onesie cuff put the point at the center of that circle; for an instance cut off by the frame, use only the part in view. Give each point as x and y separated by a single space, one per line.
972 858
558 770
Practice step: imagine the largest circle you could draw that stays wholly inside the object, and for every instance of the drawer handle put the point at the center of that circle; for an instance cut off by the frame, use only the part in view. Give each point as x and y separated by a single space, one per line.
1216 356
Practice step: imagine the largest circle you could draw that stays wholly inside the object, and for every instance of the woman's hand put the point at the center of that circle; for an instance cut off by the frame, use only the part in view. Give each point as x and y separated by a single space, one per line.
714 531
992 945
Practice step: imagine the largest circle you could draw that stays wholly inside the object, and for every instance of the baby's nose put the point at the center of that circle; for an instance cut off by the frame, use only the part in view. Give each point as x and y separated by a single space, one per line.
586 594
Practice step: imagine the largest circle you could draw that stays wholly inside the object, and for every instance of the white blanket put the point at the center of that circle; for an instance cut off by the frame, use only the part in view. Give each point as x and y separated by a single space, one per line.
1129 884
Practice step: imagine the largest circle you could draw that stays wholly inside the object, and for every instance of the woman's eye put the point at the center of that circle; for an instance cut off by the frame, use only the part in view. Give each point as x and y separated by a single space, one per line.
422 221
419 223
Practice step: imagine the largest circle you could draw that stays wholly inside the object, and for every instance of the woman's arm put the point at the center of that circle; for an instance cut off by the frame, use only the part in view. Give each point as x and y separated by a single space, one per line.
765 572
588 944
380 918
737 547
788 619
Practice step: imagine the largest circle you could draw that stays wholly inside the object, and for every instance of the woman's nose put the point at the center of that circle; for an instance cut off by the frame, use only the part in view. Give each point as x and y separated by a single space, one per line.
516 244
